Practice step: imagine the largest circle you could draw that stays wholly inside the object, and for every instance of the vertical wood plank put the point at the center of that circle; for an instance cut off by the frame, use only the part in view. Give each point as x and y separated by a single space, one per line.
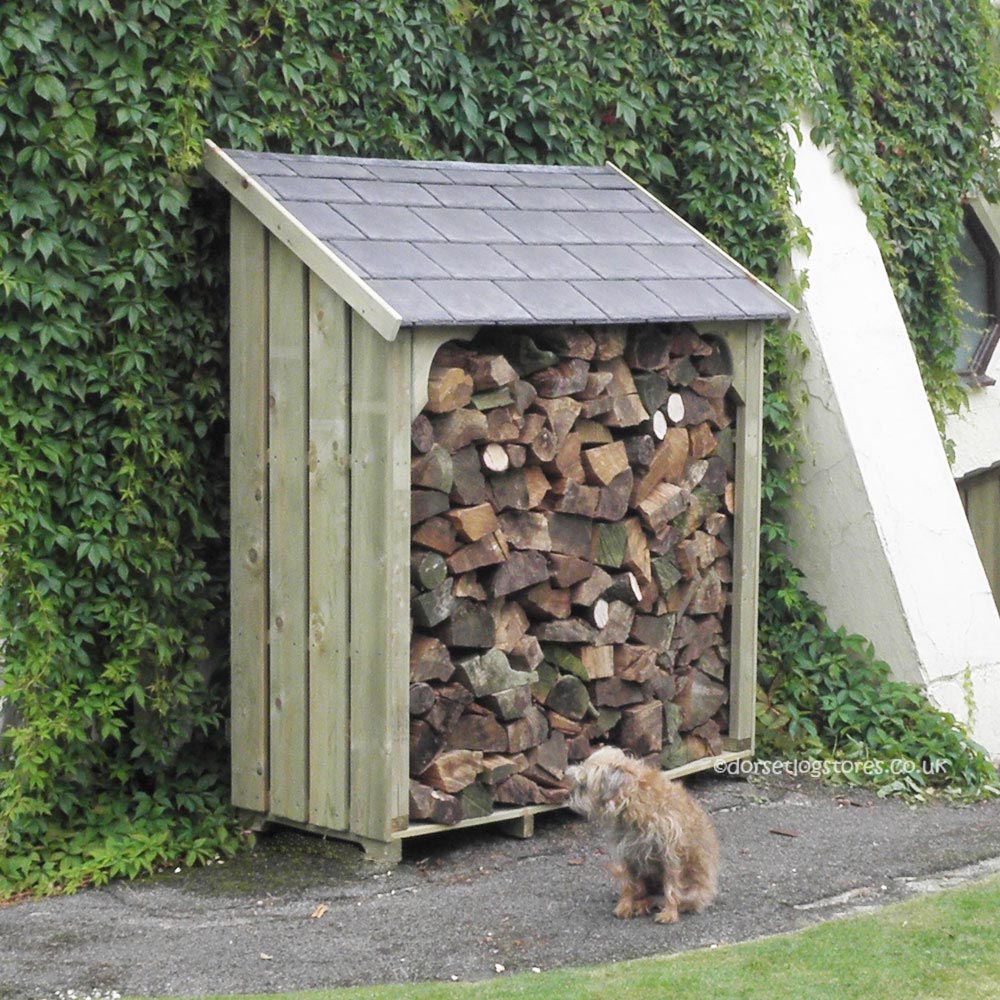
380 545
329 556
747 351
981 496
288 326
248 506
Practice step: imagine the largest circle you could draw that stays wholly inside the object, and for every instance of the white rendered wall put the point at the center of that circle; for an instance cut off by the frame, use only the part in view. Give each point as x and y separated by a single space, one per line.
976 431
881 535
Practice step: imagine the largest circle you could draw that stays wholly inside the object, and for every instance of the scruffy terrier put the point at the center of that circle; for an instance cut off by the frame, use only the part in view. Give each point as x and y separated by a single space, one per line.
665 845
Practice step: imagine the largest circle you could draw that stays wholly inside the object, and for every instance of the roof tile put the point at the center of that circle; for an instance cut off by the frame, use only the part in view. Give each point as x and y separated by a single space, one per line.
538 227
388 222
544 299
410 300
388 259
471 260
626 301
695 299
312 189
392 193
476 301
614 261
544 262
465 225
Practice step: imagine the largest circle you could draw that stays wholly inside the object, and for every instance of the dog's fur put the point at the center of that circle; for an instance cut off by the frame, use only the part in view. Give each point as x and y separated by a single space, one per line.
665 845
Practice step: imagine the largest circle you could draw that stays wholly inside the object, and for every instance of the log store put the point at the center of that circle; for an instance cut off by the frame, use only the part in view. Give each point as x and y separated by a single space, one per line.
495 470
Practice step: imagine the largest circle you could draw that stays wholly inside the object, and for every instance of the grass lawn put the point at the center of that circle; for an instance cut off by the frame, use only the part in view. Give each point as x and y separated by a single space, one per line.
937 947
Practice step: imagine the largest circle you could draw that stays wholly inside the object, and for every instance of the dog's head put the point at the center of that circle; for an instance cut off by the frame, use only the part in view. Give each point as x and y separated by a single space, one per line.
601 785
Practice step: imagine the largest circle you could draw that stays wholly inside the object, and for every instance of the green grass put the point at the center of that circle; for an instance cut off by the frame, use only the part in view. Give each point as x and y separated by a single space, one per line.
938 947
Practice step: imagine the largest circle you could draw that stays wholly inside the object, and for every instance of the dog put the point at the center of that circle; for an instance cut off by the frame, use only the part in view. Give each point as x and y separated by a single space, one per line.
666 848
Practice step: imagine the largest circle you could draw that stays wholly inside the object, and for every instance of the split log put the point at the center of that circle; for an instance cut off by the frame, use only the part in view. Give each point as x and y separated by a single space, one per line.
667 463
470 626
488 551
522 734
434 606
447 389
587 592
626 411
496 769
569 342
649 349
459 428
603 463
521 570
468 482
561 414
609 341
452 770
425 742
570 535
598 661
653 390
519 791
569 570
489 673
450 703
433 470
422 433
641 728
473 523
427 503
432 806
526 530
562 379
477 732
429 659
545 601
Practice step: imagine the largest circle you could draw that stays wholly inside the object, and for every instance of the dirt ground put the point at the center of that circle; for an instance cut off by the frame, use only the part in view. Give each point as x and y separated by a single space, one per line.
298 912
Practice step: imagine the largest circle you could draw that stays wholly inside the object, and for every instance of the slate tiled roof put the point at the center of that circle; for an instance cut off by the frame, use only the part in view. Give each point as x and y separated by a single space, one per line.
447 243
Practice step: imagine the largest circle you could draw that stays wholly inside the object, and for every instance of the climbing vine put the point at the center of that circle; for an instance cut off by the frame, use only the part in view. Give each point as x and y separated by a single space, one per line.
112 328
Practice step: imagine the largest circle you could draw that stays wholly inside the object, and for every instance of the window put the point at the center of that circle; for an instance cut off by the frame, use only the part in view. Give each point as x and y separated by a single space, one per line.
977 268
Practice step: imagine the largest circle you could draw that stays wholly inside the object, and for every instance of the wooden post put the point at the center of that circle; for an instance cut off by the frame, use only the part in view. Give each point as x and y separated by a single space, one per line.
380 582
329 547
288 371
248 505
746 349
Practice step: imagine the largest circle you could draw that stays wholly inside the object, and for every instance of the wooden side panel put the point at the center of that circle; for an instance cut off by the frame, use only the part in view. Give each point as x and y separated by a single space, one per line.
981 496
380 540
288 323
248 501
329 556
746 347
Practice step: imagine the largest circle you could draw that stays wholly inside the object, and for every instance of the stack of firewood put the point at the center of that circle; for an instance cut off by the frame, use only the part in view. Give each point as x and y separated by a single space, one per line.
572 512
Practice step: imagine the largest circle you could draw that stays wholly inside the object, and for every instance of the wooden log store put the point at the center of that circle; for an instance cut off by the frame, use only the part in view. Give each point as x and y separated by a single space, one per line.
495 468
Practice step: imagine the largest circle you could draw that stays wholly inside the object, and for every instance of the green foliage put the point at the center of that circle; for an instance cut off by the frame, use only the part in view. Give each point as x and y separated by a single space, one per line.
113 277
906 96
824 696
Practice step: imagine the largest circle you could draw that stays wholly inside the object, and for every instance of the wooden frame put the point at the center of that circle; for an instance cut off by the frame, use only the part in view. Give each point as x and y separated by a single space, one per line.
321 411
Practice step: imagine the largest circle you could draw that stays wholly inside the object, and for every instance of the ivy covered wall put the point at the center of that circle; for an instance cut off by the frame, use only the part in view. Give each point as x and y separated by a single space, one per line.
112 330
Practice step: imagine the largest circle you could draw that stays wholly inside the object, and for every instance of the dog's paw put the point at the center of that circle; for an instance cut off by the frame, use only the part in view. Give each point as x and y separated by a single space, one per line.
667 916
628 908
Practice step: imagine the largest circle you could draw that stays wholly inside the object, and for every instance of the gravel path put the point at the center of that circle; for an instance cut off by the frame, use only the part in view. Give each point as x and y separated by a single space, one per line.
300 913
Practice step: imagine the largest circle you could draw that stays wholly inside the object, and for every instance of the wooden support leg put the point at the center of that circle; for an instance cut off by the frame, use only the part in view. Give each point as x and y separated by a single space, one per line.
522 827
382 852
